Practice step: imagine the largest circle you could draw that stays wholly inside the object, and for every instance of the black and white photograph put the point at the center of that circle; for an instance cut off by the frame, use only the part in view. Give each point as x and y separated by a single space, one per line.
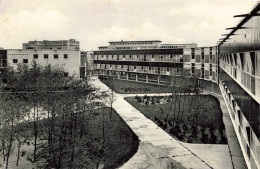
129 84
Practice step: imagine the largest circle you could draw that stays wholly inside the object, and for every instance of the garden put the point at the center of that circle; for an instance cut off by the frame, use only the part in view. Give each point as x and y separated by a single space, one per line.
128 87
188 118
49 120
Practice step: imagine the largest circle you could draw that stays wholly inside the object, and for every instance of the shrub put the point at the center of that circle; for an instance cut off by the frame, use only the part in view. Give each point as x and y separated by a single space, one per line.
172 131
165 126
23 153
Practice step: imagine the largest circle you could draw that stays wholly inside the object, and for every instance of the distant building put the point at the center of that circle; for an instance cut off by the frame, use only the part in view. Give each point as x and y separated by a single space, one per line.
70 44
86 64
153 44
153 62
68 59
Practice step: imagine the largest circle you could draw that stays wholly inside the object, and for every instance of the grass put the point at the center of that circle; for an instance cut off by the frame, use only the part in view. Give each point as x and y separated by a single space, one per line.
127 87
209 121
133 87
120 143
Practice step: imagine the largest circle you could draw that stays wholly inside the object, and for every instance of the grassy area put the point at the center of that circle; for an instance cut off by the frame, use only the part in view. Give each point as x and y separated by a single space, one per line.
209 127
120 144
127 87
133 87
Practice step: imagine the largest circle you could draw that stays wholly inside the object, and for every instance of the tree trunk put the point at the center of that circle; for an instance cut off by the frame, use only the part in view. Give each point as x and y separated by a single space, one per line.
18 153
35 133
3 147
10 141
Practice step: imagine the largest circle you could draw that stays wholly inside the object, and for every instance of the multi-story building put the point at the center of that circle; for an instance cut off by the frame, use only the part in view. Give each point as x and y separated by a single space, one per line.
149 61
153 44
239 66
86 64
68 59
70 44
3 60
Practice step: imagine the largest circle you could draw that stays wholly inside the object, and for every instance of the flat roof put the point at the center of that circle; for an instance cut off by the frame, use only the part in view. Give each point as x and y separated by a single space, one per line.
181 44
135 41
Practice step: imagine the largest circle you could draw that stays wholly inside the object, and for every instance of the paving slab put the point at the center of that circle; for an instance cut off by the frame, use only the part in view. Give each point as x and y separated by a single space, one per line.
215 160
158 149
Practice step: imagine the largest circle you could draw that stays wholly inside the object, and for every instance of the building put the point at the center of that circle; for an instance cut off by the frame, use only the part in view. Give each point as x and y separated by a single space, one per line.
86 64
68 59
149 61
153 44
70 44
239 81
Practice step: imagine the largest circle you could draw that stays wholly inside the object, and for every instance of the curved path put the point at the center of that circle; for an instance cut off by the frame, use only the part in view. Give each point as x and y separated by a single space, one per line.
158 150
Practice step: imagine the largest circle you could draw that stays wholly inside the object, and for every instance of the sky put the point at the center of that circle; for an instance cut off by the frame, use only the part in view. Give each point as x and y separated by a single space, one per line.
96 22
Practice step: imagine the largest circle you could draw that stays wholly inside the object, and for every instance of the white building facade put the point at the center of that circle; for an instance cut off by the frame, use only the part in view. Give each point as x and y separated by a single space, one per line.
68 59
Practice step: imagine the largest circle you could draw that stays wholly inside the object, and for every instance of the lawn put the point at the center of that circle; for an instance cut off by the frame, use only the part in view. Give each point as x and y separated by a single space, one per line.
208 128
133 87
119 146
127 87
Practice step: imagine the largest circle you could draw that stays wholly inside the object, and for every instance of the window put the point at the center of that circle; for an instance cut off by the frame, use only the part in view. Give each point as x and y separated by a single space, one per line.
15 60
46 56
66 56
25 60
130 56
35 56
192 56
56 56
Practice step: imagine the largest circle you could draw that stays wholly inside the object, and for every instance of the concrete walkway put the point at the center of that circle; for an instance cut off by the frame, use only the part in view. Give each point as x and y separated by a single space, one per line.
158 149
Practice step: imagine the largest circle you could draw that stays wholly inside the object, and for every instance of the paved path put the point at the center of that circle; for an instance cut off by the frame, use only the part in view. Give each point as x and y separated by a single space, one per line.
158 150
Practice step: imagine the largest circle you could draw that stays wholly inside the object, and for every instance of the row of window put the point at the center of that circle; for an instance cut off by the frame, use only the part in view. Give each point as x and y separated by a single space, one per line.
16 60
130 43
172 46
45 56
18 54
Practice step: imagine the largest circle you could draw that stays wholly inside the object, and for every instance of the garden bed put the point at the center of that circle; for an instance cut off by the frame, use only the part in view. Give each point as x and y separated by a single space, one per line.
204 126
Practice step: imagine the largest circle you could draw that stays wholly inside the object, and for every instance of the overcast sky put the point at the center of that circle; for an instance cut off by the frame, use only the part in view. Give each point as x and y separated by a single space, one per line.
95 22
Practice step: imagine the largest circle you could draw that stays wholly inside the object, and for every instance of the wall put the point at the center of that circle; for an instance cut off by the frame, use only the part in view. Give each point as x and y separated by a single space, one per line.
70 64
